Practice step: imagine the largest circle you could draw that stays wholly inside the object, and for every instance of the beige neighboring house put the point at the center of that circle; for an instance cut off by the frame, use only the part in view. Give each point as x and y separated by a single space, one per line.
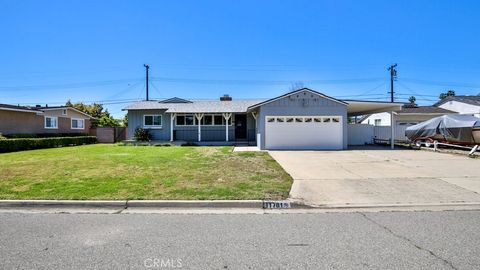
40 120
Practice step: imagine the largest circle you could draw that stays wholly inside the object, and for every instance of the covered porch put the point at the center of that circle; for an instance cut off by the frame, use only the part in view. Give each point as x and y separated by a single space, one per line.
225 128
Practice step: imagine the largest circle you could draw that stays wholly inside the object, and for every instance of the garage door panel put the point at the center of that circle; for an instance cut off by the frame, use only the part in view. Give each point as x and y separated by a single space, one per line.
304 133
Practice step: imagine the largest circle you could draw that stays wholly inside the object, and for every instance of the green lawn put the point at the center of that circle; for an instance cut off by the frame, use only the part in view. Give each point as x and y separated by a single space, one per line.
105 171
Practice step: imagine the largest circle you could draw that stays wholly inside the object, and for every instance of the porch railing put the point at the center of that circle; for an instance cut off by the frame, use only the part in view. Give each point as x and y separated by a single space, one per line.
208 134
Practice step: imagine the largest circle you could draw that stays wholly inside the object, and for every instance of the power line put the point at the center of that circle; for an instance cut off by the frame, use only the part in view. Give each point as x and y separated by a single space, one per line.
124 91
367 91
260 82
65 86
86 101
427 82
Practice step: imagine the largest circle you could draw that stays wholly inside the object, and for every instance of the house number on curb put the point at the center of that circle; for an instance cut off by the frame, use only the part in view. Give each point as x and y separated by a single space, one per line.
276 204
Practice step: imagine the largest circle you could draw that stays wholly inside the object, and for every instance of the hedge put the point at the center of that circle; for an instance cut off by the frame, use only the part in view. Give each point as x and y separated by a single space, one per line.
12 145
45 135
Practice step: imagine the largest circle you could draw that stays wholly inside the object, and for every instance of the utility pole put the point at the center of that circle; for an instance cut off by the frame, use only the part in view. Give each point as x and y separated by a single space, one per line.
393 77
146 70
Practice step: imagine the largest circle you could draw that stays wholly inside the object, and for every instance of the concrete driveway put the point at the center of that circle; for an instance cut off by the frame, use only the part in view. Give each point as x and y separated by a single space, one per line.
378 175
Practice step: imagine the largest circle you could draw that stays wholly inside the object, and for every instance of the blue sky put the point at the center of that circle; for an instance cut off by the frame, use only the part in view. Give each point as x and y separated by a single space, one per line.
52 51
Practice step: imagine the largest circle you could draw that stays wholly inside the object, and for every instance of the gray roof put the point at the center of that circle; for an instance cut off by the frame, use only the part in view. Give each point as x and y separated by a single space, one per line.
196 106
39 109
473 100
423 109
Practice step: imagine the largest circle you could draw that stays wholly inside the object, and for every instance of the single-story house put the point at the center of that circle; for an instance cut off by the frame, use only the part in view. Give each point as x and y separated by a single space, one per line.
407 116
301 119
38 120
461 104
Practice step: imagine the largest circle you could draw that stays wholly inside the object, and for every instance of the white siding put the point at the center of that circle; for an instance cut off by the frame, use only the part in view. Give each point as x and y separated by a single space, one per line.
383 117
461 108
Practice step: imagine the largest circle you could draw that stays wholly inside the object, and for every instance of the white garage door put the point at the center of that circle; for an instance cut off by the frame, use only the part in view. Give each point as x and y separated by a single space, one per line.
304 132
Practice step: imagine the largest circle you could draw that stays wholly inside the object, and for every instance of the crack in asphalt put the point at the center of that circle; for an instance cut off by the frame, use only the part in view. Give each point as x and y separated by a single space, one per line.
364 215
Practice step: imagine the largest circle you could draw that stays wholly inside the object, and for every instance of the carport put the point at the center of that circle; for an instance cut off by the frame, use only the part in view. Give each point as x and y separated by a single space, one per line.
362 107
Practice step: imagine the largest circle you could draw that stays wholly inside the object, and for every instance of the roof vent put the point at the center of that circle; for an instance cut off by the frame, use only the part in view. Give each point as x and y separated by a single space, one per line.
226 98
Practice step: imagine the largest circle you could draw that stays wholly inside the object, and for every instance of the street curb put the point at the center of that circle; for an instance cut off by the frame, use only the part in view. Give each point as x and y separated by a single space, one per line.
211 204
196 204
61 203
124 204
393 206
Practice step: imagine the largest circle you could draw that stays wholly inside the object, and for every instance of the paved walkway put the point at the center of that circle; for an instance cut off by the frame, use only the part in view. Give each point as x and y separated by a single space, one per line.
246 149
381 176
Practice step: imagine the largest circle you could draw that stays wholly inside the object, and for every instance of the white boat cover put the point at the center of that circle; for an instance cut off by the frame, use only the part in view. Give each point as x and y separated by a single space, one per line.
454 128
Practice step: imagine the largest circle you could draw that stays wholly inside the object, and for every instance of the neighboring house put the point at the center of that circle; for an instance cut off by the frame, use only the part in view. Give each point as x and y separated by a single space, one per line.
38 120
301 119
461 104
407 116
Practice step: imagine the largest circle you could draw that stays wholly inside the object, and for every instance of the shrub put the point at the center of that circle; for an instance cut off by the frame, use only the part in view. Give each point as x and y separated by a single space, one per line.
2 137
189 144
142 135
163 144
12 145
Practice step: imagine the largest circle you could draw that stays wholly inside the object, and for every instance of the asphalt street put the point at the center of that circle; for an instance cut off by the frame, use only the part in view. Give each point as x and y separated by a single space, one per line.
384 240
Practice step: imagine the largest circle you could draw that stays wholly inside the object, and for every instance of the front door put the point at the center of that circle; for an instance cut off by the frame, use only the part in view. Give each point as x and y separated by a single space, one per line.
240 126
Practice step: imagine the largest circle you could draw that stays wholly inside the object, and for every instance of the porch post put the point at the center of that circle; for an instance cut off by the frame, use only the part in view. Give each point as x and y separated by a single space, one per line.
172 120
392 125
254 114
199 117
226 116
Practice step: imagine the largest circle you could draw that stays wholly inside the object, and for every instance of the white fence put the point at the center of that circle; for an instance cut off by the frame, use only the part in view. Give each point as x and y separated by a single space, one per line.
385 133
360 134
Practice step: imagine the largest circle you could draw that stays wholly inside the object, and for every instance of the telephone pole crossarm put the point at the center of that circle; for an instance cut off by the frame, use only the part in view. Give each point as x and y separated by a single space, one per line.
393 77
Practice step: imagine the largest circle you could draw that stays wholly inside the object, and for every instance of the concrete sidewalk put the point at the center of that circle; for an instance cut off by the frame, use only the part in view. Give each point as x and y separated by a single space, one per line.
380 176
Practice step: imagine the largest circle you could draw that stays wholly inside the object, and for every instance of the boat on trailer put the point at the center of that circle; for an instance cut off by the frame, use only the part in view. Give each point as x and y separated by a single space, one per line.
456 129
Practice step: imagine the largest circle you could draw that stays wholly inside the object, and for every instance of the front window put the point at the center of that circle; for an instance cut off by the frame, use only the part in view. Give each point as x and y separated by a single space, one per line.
185 120
152 120
51 122
78 123
189 120
207 120
218 120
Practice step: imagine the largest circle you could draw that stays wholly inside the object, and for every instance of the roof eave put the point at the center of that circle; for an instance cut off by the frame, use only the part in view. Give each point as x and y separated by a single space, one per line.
293 93
18 110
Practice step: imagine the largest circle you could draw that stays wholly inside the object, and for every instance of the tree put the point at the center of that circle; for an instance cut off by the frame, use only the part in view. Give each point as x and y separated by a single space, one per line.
412 100
107 121
125 120
103 117
296 85
447 94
